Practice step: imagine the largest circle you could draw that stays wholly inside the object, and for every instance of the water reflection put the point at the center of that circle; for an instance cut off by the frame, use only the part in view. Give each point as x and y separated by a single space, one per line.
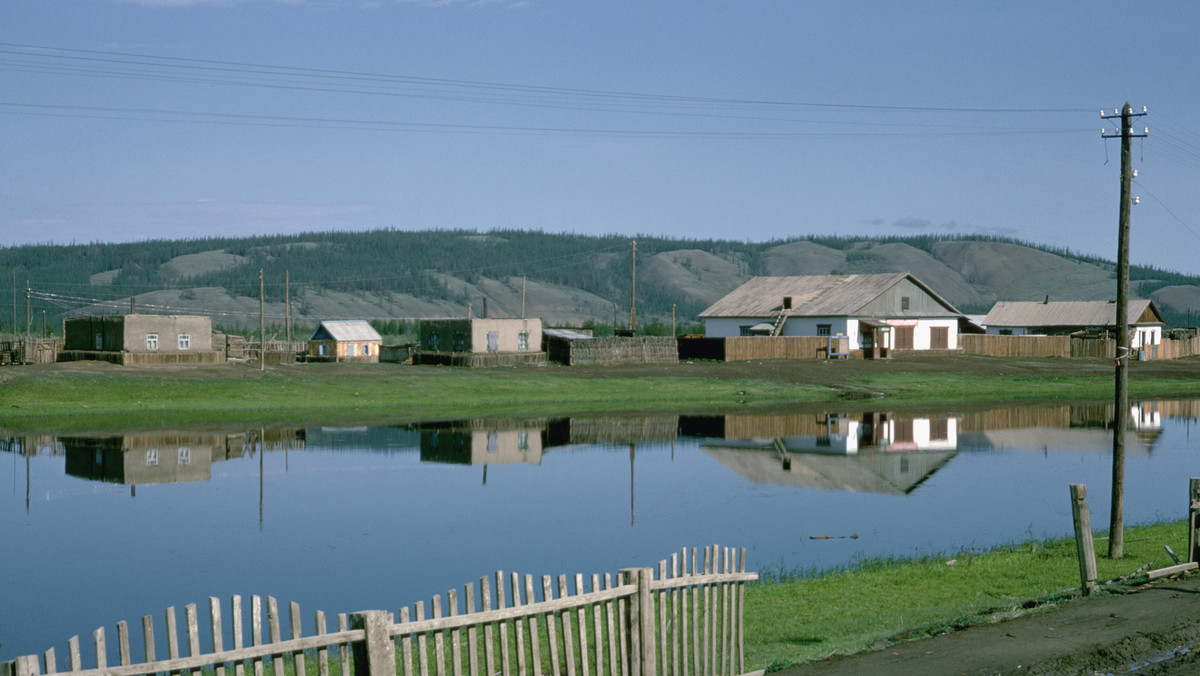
877 452
437 504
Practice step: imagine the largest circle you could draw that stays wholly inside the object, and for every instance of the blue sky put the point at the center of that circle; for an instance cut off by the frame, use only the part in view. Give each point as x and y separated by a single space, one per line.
123 120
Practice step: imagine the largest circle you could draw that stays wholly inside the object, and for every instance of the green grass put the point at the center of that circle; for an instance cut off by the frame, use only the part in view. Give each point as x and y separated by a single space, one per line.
796 616
65 400
325 393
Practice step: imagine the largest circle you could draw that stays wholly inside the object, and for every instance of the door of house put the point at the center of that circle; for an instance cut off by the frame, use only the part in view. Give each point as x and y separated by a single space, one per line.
904 337
939 337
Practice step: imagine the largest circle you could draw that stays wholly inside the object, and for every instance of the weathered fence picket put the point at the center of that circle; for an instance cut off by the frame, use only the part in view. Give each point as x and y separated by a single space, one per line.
684 621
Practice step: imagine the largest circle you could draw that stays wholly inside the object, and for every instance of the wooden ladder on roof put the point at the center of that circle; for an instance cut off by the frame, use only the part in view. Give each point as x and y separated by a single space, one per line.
780 320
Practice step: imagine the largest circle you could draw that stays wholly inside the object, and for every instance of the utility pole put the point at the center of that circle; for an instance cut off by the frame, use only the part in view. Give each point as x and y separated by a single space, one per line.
1116 534
633 293
25 348
262 325
287 305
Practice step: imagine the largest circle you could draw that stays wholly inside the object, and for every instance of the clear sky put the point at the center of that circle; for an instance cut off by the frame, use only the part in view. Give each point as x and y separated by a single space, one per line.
123 120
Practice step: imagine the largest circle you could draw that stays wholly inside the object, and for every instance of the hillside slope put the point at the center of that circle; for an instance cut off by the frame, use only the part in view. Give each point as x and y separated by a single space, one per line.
565 279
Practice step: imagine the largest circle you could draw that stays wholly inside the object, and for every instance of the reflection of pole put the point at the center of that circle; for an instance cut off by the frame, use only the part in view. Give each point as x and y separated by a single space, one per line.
632 452
485 475
25 450
260 481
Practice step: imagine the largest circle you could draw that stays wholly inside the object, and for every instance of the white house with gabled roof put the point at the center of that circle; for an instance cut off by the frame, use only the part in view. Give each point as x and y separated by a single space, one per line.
888 311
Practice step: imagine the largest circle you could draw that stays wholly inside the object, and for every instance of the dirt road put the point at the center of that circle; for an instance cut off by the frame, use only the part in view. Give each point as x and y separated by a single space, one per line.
1153 631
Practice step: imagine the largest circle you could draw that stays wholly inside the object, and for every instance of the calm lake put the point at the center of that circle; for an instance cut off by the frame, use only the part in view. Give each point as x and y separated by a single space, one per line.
102 529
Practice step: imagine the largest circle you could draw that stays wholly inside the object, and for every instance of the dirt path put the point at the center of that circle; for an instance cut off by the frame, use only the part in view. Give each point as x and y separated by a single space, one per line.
1155 630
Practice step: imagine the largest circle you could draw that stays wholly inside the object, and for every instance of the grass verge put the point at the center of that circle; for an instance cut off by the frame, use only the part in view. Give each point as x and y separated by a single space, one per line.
796 616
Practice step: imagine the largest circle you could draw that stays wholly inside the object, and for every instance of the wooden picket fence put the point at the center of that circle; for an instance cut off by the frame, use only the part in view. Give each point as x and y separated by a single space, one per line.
687 621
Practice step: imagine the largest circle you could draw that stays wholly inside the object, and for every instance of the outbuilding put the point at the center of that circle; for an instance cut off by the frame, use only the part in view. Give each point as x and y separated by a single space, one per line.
346 340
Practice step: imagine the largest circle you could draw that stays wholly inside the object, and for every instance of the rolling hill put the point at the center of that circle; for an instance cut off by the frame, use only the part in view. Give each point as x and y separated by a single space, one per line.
563 278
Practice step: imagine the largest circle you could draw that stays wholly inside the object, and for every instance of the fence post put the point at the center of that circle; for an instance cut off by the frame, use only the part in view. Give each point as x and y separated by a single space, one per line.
1194 520
641 622
26 665
1083 538
375 655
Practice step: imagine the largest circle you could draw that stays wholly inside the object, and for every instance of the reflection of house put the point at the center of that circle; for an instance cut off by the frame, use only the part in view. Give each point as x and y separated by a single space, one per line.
1051 318
139 339
149 458
481 443
345 340
480 342
873 312
871 452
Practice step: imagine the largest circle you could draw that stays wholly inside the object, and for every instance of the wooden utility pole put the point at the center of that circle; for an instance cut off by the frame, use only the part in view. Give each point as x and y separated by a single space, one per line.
262 324
1116 535
287 305
25 348
633 293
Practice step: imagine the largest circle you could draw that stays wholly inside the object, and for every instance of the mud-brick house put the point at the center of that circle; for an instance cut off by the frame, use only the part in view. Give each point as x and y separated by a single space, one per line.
480 342
139 339
893 311
346 340
1060 318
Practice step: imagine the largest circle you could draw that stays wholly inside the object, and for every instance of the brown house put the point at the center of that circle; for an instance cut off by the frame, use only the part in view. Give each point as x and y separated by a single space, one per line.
352 340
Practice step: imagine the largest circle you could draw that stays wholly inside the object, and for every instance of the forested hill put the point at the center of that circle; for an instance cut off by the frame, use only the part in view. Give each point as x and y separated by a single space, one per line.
563 278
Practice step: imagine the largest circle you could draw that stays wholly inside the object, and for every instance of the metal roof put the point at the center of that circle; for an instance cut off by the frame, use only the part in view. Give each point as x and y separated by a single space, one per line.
812 295
346 330
1080 313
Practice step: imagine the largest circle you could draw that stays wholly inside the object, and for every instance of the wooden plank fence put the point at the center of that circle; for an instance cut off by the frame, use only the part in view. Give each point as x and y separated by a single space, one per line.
686 621
1072 346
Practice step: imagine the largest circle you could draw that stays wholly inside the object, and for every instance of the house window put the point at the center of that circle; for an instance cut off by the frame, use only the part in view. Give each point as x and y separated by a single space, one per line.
493 341
824 329
185 341
433 342
98 341
459 342
1006 332
744 330
523 441
185 456
903 303
152 457
523 341
366 349
904 337
939 337
323 350
151 341
350 350
493 443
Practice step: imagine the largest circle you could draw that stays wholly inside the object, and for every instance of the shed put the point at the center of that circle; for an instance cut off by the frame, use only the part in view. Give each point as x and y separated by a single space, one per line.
345 340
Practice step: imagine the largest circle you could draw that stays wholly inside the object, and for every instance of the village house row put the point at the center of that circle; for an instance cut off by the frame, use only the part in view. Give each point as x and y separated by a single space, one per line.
804 317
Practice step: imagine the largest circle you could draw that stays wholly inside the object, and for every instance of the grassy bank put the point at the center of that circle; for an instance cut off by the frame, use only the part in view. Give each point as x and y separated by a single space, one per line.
74 397
794 616
330 394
